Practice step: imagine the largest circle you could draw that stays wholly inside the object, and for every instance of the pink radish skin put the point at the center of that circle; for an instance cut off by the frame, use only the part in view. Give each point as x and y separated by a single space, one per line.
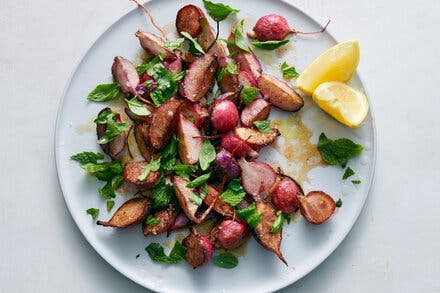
237 147
284 196
259 109
272 27
231 234
224 116
257 178
125 74
153 44
200 77
246 79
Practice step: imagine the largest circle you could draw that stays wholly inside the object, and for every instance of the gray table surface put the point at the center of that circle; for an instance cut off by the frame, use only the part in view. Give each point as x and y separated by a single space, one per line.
393 247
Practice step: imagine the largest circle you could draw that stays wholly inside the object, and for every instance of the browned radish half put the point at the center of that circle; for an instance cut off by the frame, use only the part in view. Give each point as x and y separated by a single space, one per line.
200 77
115 147
125 74
198 249
213 197
279 93
224 116
163 123
132 171
246 79
187 20
256 139
190 141
194 112
237 147
229 234
267 239
183 194
131 212
229 82
154 45
259 109
316 206
257 178
165 218
207 37
141 137
284 195
249 63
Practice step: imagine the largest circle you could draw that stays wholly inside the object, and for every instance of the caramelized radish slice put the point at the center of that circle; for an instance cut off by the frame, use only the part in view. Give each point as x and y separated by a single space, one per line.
249 63
194 111
316 206
141 137
285 195
131 212
190 141
224 116
174 65
183 194
229 82
198 249
257 178
220 206
132 171
229 234
154 45
267 239
256 139
237 147
200 77
125 74
163 123
279 93
207 37
259 109
246 79
165 218
187 20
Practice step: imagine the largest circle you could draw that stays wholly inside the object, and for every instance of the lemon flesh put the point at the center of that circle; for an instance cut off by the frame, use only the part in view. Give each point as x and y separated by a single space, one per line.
343 102
338 63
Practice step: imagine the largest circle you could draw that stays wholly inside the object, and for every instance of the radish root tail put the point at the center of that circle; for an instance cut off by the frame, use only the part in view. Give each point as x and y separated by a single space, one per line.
153 21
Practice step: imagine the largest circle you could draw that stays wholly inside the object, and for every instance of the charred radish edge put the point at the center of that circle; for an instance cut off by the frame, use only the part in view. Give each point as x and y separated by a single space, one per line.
208 40
316 207
237 147
212 198
163 123
270 241
154 45
141 137
199 249
183 194
131 212
115 147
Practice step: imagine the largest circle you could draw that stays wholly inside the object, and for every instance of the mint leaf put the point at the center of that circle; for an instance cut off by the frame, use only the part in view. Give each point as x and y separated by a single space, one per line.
225 260
269 45
356 181
117 181
157 254
194 47
277 225
338 151
207 155
104 92
288 72
339 203
234 194
153 166
113 128
93 212
230 68
110 204
263 126
199 181
248 94
151 221
287 218
162 194
137 107
240 40
87 157
218 11
348 172
250 215
184 170
174 44
107 191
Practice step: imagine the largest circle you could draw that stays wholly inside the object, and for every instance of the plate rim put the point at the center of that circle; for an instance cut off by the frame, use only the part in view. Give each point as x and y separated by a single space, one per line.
281 284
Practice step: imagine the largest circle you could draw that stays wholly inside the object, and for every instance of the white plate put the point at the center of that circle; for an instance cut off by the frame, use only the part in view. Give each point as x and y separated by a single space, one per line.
305 246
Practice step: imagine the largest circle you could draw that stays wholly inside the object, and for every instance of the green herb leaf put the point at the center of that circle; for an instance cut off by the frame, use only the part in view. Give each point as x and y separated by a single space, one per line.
184 170
230 68
207 155
107 191
277 225
194 47
153 166
356 181
225 260
199 181
162 193
110 204
151 221
269 45
263 126
137 107
196 199
339 203
288 72
218 11
234 194
93 212
114 128
104 171
240 40
157 254
250 215
87 157
174 44
348 172
338 151
248 94
104 92
287 218
117 181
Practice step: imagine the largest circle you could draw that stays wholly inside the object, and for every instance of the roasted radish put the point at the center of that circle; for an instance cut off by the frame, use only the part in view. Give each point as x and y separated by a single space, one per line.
224 116
237 147
259 109
256 139
188 20
316 206
165 221
229 81
279 93
246 79
190 141
125 74
183 195
257 178
133 171
213 198
116 146
200 77
163 123
198 249
194 112
180 221
141 137
225 165
154 44
207 40
131 212
285 195
229 234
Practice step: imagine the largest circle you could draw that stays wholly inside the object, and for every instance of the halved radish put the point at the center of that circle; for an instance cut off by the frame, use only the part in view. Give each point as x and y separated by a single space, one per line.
237 147
200 77
256 139
316 206
257 178
190 141
125 74
259 109
153 44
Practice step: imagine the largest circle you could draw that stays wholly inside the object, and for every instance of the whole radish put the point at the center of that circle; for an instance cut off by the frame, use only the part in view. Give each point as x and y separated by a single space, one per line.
274 27
231 234
224 116
284 196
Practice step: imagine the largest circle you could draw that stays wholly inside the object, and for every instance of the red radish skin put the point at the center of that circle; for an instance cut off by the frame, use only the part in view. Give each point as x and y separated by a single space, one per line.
316 207
246 79
284 196
259 109
199 249
224 116
188 20
194 111
174 65
229 234
257 178
200 77
190 141
125 74
237 147
153 44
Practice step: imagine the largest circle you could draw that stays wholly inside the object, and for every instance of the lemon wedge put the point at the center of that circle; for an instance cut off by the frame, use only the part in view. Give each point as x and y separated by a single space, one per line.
343 102
336 64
